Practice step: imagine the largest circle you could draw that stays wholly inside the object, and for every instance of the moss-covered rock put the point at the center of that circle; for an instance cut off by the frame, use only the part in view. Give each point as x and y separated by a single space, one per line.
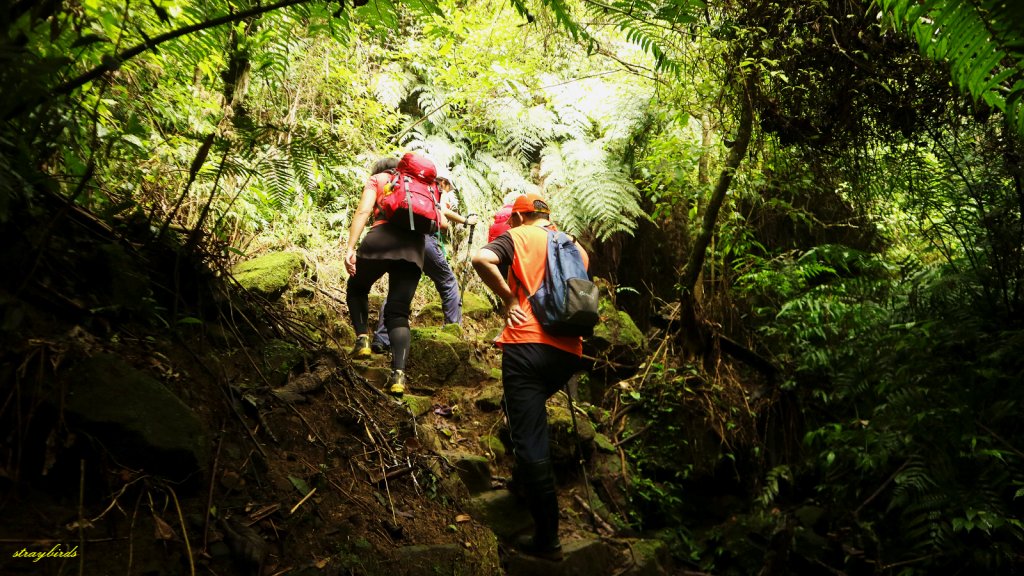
473 470
475 306
431 313
616 337
493 446
279 358
603 443
491 334
136 417
435 355
417 405
268 275
489 397
563 438
439 356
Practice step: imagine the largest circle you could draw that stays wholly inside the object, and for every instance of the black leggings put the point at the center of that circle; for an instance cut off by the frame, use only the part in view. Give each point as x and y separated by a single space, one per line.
403 277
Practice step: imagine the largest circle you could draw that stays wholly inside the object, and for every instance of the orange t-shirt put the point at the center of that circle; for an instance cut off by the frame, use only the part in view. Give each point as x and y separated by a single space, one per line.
525 275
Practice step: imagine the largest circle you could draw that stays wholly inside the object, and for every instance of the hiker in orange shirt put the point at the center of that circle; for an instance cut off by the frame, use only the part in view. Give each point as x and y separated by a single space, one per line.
534 363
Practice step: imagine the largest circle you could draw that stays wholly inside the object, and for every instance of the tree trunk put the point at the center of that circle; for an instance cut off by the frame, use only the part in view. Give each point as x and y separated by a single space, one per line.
692 335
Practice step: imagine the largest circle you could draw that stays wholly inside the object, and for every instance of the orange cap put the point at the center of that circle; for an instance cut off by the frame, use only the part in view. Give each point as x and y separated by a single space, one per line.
531 203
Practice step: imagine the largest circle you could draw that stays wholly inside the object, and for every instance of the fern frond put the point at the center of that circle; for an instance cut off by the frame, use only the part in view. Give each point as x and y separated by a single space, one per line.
521 130
981 40
393 85
590 191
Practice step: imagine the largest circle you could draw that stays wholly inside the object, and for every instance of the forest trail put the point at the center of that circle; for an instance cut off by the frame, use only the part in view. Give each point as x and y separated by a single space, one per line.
248 442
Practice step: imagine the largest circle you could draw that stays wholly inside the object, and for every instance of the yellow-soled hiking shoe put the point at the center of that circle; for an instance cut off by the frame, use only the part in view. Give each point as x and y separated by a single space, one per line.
396 383
362 347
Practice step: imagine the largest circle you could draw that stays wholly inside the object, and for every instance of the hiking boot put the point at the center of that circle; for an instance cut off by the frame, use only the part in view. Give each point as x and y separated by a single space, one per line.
379 347
527 545
396 383
362 347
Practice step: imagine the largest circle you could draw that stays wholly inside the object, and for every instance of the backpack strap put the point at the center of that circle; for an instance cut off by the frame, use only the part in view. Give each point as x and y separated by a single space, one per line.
519 283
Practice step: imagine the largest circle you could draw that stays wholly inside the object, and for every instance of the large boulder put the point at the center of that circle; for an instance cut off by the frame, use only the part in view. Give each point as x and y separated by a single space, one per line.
616 337
136 417
268 275
441 356
476 307
565 442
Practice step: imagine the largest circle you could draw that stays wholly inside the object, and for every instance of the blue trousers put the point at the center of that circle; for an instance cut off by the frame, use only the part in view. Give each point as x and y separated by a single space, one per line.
436 267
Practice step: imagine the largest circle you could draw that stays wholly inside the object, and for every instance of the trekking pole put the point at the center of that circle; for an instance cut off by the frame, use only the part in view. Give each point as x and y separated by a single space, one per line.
579 452
469 256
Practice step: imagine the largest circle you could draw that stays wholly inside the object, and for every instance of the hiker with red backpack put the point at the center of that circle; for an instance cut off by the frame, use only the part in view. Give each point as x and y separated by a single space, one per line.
500 225
548 304
403 199
436 266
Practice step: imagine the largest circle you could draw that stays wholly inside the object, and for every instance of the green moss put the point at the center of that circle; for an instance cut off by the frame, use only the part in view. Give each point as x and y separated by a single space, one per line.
270 274
492 445
475 306
431 313
604 443
279 357
417 405
559 419
618 328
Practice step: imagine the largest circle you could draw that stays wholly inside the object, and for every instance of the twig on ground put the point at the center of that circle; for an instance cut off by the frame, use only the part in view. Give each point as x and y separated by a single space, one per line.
184 532
303 501
209 492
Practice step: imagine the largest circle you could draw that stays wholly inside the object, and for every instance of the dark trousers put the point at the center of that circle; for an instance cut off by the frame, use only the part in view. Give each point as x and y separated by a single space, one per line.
532 373
403 277
436 267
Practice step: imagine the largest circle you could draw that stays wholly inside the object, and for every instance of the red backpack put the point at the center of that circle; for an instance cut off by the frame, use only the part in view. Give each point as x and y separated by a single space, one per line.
500 222
410 199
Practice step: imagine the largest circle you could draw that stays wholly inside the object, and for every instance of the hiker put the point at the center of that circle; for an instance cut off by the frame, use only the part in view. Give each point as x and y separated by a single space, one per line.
501 224
390 249
534 363
436 267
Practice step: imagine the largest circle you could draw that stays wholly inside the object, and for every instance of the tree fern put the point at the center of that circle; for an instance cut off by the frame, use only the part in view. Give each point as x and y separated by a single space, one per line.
522 130
393 84
981 39
591 192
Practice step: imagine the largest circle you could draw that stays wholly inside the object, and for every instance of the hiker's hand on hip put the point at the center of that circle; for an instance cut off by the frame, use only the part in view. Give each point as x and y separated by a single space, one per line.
514 315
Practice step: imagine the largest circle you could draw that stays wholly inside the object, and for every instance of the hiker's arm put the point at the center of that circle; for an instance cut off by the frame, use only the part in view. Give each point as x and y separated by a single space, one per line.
485 262
469 220
355 230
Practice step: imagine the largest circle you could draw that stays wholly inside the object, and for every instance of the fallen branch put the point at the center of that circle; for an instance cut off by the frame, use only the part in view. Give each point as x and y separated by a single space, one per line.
594 515
393 473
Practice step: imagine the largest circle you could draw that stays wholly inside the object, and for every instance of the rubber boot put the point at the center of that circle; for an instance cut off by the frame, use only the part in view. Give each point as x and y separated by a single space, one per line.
542 501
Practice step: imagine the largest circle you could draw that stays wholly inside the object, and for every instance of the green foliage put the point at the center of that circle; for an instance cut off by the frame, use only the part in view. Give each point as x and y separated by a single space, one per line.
589 189
981 41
